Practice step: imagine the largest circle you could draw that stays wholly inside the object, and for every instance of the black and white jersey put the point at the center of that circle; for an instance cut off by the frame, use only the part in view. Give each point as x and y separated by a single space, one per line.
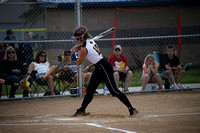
93 55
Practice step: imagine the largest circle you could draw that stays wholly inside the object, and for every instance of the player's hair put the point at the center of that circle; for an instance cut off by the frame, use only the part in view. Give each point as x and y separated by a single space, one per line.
152 57
171 47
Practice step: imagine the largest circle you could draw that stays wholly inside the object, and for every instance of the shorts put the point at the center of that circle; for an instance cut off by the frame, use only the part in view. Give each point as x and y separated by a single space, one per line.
38 75
165 75
122 76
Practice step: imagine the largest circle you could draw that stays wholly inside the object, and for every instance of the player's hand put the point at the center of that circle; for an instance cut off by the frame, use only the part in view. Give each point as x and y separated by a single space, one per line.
76 55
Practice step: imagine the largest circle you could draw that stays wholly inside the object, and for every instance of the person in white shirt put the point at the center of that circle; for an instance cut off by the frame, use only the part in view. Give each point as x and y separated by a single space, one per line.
103 70
42 66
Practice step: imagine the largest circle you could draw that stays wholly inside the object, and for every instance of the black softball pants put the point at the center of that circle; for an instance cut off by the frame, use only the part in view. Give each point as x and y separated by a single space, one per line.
103 72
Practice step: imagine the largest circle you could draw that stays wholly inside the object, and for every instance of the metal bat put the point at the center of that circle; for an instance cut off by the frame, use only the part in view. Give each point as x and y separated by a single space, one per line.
99 36
103 33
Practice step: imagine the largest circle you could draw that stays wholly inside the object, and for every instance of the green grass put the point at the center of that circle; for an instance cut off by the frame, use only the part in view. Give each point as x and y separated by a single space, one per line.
191 76
136 79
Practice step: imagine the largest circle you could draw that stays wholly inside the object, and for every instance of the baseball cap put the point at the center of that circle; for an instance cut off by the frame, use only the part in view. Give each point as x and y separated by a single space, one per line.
8 32
118 46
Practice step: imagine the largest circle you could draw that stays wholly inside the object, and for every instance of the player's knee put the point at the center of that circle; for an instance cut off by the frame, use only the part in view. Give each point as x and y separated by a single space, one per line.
115 93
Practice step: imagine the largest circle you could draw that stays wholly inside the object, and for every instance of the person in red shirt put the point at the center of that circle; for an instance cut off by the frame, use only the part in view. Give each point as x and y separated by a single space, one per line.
120 66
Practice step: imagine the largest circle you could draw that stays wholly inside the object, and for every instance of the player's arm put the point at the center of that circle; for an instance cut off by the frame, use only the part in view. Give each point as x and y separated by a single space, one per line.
81 58
76 48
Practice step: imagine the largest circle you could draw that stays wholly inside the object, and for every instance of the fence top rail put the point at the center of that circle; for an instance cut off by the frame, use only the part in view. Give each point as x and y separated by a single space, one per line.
107 39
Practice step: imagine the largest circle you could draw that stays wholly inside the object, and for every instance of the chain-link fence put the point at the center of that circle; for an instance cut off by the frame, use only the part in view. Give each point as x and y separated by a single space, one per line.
141 28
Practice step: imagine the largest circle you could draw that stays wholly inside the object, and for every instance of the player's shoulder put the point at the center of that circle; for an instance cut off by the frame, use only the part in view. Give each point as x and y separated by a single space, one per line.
90 41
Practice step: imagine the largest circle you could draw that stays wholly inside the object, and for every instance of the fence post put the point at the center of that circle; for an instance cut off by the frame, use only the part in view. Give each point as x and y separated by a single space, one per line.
78 23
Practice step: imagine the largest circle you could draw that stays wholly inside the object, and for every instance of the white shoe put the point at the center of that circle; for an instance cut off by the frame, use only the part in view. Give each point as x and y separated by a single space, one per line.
174 87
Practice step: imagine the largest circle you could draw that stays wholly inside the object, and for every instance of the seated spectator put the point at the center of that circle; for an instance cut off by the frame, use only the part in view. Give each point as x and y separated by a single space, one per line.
42 66
173 68
150 72
120 66
69 67
11 70
2 54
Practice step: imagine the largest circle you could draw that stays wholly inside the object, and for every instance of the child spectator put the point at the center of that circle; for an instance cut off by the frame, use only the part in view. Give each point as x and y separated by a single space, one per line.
150 72
173 68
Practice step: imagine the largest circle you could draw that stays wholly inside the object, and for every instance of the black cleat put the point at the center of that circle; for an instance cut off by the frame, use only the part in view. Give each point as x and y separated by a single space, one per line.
133 111
79 112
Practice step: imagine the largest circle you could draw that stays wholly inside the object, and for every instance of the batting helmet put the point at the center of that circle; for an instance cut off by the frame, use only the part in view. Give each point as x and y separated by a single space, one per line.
80 33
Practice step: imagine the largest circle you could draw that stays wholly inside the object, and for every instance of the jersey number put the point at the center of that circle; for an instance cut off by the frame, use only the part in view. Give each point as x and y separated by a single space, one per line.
96 48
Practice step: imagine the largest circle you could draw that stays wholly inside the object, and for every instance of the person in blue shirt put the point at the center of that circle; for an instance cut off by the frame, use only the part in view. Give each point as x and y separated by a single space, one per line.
10 37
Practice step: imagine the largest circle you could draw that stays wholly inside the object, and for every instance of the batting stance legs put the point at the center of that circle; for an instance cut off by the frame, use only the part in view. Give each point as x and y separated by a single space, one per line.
104 71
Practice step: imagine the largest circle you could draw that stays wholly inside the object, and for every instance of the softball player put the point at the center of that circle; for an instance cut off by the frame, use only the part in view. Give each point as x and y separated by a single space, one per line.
103 70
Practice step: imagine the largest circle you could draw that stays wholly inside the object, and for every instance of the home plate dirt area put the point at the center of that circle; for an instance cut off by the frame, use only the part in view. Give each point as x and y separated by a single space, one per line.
161 112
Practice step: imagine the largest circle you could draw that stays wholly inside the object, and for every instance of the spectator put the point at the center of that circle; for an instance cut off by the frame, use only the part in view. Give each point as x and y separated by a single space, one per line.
173 68
9 37
2 54
28 47
69 67
12 70
150 72
42 66
120 66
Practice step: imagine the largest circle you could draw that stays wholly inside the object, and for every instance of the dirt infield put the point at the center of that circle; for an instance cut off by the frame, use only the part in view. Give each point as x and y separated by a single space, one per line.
170 112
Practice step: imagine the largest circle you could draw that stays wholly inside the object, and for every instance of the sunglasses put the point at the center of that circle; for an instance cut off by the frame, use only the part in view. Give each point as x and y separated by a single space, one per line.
67 54
11 52
117 49
43 56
